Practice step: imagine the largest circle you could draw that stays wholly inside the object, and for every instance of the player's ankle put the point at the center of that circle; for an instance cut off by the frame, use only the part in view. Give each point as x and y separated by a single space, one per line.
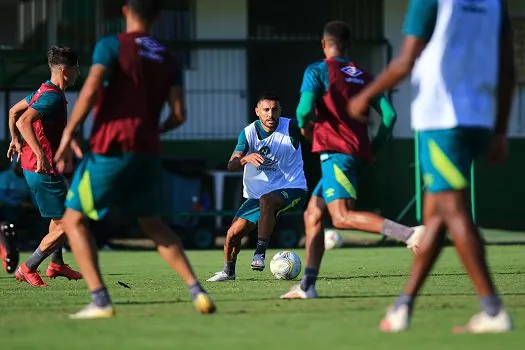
262 244
101 297
491 304
405 299
397 231
196 289
309 278
229 268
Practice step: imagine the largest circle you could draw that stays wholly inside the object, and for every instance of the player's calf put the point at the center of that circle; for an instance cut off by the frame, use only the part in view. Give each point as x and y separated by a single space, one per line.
269 205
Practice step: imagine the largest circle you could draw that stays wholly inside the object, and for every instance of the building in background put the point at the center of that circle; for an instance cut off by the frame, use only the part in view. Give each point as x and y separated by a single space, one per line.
233 50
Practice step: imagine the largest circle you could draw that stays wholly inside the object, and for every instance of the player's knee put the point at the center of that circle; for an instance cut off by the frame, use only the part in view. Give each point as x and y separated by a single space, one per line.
312 216
233 233
268 202
342 220
72 219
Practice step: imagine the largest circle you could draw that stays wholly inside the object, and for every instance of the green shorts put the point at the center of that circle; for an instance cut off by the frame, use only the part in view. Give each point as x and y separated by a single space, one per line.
128 180
292 198
338 177
49 191
447 155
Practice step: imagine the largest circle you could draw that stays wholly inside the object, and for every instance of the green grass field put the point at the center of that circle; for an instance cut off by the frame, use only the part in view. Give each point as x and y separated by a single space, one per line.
357 284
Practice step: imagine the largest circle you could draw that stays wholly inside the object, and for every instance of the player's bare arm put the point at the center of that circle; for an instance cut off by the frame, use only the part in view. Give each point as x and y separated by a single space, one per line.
15 146
25 126
238 160
177 116
85 101
506 84
396 71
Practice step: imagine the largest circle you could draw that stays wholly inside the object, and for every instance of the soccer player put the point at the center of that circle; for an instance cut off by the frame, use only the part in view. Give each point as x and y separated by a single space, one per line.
132 76
40 119
463 75
344 147
274 181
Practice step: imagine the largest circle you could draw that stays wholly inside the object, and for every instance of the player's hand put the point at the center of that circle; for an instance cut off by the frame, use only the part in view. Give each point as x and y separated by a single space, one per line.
357 108
308 131
63 155
498 149
254 159
15 149
42 165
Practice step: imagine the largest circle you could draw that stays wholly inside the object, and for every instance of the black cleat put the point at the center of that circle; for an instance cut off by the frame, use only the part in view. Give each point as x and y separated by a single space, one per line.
8 248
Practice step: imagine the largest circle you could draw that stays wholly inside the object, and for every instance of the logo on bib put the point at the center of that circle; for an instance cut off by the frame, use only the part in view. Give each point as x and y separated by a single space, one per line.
268 164
352 73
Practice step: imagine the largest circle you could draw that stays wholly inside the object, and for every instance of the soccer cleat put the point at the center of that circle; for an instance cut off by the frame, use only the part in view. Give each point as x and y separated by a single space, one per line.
296 292
484 323
414 240
56 270
396 320
221 277
258 262
91 310
32 277
8 250
203 304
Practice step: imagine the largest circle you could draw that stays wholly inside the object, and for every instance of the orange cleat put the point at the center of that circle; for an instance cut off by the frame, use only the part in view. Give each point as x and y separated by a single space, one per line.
23 274
56 270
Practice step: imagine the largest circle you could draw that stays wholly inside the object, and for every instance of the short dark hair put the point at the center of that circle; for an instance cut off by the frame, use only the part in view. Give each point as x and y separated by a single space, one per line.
269 96
57 55
147 10
339 33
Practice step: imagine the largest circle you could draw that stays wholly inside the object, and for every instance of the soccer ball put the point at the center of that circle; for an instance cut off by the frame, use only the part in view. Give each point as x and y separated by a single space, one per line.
332 239
285 265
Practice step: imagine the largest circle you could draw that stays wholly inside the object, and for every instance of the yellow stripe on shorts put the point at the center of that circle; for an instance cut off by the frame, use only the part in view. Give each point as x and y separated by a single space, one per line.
342 180
445 167
86 196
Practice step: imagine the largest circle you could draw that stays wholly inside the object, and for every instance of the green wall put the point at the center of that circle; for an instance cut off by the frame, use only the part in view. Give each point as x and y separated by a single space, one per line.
388 186
389 183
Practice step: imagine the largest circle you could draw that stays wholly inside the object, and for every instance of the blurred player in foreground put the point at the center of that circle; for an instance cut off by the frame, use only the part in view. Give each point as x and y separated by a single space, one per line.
131 78
463 74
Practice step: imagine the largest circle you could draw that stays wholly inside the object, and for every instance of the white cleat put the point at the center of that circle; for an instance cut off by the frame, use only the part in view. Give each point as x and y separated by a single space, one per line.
297 293
396 320
221 277
91 311
413 242
484 323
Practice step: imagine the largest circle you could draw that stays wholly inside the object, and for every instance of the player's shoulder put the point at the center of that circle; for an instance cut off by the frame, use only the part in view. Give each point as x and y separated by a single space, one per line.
315 67
250 126
47 96
287 119
292 123
108 41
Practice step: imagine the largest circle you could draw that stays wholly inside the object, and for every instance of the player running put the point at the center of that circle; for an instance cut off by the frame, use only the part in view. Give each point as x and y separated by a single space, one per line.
132 76
40 119
344 147
274 181
463 75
